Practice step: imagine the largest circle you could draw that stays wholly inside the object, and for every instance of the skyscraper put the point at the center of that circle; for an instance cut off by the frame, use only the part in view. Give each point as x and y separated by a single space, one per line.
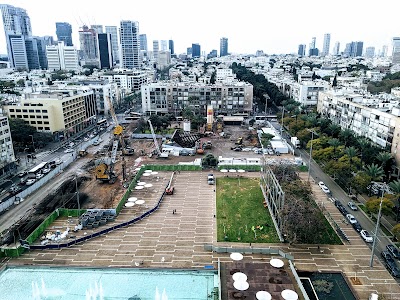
64 33
97 28
164 45
130 44
336 49
113 31
196 50
384 50
156 49
17 27
105 50
302 50
143 42
370 52
396 50
312 44
88 41
223 46
357 49
171 46
60 57
312 51
327 44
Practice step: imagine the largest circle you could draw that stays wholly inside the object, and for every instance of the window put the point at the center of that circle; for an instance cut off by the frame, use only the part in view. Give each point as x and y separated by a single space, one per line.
33 122
37 110
46 122
24 110
38 117
11 109
45 117
47 128
26 116
44 111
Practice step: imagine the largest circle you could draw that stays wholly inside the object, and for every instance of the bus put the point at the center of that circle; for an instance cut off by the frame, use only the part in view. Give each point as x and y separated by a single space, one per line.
102 123
36 170
262 119
133 116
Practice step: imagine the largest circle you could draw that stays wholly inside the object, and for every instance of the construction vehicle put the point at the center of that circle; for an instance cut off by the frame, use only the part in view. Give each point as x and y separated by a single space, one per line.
239 141
82 153
104 172
157 150
199 147
169 190
207 145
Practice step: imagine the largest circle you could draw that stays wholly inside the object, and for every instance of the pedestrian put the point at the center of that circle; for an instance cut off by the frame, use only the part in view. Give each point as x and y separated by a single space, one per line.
173 211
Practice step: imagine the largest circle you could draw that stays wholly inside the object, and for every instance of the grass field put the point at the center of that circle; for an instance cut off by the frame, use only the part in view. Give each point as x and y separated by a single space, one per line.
239 208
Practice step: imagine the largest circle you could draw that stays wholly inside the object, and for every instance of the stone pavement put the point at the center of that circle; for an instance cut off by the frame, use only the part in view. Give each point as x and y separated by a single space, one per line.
167 240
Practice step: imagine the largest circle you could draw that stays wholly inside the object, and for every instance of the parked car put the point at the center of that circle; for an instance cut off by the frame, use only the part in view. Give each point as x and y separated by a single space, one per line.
393 251
22 174
393 269
30 181
352 206
357 227
58 162
210 179
40 175
351 218
18 200
387 257
14 190
366 236
343 210
46 170
69 150
323 187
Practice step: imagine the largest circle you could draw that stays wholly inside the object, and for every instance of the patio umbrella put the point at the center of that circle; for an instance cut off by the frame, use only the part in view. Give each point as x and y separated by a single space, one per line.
148 171
241 285
232 171
239 276
276 262
141 183
241 171
289 295
148 185
147 174
154 173
139 187
129 204
132 199
236 256
139 202
263 295
223 170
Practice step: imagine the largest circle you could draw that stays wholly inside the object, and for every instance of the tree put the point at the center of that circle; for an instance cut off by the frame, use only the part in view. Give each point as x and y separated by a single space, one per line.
335 143
351 152
363 144
360 182
209 161
373 204
385 159
374 171
21 82
396 231
395 186
347 137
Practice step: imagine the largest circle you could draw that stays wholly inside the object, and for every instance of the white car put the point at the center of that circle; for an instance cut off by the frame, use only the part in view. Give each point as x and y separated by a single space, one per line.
69 150
30 181
45 171
40 175
366 236
59 162
351 218
323 187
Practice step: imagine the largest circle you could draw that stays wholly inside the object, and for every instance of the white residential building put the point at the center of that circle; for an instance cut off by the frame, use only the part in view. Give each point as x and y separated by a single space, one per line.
372 118
7 157
172 97
164 59
224 75
128 81
61 57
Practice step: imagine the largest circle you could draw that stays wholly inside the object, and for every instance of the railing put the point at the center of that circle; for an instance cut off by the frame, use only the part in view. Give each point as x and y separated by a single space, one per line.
248 250
294 272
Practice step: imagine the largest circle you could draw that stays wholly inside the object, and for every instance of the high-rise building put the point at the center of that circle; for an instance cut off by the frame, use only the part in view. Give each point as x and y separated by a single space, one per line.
370 52
143 42
357 49
223 46
196 50
396 50
17 27
156 49
64 33
327 44
88 41
113 31
312 51
313 42
105 50
97 28
164 45
302 50
384 50
189 51
164 59
42 42
61 57
130 44
171 46
336 49
32 53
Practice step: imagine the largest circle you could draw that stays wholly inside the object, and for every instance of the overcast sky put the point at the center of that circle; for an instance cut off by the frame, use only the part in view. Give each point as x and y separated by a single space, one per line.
272 26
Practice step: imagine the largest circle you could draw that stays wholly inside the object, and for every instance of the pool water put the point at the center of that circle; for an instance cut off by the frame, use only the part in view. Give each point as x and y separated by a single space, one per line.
105 284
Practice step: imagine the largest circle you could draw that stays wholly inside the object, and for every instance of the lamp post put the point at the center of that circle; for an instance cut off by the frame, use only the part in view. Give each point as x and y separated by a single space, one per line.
33 143
371 262
77 194
309 160
283 113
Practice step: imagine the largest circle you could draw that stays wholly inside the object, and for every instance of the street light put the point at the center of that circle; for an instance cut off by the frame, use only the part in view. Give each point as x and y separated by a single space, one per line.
77 194
309 160
283 113
33 143
376 229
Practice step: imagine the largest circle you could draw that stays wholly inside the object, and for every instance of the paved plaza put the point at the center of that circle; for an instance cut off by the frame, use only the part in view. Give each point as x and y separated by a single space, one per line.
176 240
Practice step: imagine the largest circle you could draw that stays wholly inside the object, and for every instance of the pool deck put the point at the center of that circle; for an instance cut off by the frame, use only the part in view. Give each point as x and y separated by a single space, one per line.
167 240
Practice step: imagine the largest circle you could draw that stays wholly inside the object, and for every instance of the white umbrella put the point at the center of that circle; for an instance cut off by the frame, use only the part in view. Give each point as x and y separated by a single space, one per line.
129 204
223 170
147 174
139 187
141 183
139 202
154 173
232 171
148 171
236 256
239 276
148 185
276 262
132 199
241 171
289 295
241 285
263 295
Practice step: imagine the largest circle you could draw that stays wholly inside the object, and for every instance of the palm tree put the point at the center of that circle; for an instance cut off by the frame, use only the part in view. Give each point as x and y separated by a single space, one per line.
334 130
335 143
346 136
374 171
386 162
395 186
351 153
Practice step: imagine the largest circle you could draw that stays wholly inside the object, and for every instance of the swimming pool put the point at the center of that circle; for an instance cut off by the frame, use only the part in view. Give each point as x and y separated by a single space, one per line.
105 284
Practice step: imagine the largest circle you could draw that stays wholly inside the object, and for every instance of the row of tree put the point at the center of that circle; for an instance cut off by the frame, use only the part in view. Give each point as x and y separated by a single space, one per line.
388 82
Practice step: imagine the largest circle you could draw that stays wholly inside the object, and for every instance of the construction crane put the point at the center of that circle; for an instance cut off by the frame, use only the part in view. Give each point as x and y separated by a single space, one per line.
159 153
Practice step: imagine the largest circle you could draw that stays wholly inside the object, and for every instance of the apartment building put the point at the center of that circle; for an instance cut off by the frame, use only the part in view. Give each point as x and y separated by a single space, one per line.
61 57
372 118
7 157
172 97
129 81
58 111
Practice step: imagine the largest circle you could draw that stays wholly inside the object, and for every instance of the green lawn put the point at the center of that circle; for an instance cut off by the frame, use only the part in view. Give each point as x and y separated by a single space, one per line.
239 208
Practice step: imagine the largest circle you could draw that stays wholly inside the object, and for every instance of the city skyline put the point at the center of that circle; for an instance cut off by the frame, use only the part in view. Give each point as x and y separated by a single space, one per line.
209 22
